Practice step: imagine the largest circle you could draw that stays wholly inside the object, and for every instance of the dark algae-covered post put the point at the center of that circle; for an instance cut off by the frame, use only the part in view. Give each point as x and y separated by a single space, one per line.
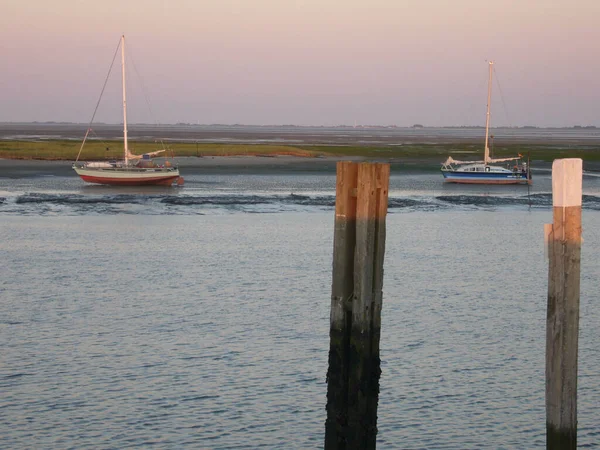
342 289
356 301
562 321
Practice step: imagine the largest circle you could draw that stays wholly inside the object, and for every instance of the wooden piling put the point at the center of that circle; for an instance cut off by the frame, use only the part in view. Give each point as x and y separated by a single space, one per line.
562 321
356 301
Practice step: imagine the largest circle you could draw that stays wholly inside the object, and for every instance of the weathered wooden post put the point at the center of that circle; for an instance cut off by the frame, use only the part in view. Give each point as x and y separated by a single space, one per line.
356 301
562 321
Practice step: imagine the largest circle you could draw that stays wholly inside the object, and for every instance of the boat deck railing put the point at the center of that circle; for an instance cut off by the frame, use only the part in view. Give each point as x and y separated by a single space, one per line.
127 169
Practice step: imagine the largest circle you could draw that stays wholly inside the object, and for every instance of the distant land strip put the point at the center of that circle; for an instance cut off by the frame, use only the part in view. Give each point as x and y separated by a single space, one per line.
300 136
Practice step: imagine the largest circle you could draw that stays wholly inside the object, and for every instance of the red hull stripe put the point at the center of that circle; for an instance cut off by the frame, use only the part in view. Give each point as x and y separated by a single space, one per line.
131 181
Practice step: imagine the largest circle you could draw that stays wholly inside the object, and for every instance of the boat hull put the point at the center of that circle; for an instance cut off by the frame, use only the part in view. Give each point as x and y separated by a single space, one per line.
128 177
484 178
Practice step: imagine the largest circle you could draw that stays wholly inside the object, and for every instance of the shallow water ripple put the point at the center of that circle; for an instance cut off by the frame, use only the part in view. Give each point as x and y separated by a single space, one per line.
211 331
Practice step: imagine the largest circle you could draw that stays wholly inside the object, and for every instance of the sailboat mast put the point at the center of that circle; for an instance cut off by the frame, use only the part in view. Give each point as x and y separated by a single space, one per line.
487 116
125 148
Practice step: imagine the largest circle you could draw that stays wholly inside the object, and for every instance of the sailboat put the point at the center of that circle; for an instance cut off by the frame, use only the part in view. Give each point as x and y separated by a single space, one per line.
484 172
133 170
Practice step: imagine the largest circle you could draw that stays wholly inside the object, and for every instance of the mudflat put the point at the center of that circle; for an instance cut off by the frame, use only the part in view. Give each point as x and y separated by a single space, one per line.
301 135
30 148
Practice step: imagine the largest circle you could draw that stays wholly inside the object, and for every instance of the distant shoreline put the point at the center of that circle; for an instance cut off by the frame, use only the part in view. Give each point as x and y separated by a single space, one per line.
287 126
299 135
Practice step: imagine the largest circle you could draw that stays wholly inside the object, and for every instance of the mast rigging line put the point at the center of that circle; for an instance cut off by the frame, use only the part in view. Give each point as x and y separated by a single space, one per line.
502 99
129 56
143 85
99 98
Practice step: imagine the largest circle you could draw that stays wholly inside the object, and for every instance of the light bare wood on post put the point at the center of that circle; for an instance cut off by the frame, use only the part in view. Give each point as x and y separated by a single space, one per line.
359 246
562 321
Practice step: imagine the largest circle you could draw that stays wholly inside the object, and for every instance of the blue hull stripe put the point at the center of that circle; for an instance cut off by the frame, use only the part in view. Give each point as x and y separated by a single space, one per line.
483 176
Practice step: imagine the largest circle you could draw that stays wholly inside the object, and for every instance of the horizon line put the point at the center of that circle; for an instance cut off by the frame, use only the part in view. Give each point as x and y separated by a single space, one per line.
190 124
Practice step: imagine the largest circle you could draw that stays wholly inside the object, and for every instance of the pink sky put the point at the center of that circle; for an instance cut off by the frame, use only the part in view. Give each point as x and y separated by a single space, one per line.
312 62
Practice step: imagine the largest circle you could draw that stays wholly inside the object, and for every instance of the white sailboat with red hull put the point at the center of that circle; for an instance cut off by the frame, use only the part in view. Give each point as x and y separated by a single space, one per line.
133 170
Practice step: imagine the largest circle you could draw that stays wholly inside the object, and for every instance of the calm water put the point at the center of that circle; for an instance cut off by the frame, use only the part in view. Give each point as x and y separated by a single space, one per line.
198 317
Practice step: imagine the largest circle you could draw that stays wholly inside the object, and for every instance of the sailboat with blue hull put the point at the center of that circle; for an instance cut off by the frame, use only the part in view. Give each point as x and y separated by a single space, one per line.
487 171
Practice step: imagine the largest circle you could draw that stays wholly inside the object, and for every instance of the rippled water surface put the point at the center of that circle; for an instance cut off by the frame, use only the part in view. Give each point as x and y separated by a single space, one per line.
198 317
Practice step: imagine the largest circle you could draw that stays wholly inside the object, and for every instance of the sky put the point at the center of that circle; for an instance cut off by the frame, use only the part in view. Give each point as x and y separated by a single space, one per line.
303 62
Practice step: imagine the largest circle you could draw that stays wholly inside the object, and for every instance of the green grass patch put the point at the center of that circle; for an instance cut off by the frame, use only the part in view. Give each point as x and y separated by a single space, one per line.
107 150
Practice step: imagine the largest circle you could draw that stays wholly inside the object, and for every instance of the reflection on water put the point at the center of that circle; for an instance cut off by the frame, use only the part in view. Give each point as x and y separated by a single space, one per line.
163 320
